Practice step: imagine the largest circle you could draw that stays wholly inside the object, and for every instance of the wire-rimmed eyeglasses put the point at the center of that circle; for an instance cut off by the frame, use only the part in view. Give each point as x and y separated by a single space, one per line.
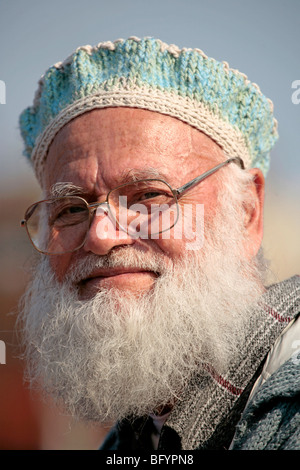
142 208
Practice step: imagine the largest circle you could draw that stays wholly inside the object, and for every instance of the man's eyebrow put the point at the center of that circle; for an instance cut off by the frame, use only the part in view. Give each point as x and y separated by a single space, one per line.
135 174
61 189
65 189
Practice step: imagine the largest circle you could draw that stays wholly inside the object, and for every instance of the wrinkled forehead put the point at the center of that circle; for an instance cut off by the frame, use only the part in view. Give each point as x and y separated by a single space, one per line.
114 142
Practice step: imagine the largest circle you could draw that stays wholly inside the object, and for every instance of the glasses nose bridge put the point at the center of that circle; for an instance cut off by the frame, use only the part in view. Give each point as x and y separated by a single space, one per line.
94 206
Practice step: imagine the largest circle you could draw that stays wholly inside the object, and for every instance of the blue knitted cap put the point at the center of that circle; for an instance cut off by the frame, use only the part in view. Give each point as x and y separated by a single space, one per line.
149 74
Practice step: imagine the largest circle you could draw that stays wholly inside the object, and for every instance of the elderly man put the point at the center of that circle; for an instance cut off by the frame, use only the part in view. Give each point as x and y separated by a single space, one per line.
149 303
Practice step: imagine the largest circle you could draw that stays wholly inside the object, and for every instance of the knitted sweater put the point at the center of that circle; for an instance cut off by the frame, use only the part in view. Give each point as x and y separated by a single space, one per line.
213 413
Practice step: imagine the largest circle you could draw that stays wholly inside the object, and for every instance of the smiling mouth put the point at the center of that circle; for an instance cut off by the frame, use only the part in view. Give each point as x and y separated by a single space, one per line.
107 277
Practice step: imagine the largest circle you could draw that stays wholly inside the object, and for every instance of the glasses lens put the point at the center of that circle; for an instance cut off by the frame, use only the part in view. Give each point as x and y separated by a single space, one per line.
144 208
59 225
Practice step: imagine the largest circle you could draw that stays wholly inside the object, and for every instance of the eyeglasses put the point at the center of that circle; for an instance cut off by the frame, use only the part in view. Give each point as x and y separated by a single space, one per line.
143 208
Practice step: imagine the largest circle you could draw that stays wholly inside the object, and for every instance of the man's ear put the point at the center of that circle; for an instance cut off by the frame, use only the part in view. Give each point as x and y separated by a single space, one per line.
254 213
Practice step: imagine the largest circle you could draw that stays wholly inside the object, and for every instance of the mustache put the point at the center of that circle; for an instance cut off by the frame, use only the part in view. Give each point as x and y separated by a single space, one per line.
121 257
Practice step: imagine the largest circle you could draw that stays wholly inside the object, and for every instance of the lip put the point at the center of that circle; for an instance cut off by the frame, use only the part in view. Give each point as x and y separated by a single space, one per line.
106 273
109 277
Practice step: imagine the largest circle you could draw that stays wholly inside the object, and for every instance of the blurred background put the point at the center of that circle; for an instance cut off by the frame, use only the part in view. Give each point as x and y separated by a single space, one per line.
260 38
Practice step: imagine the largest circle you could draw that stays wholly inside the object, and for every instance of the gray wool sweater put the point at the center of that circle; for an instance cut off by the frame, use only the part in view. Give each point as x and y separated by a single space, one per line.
271 421
217 412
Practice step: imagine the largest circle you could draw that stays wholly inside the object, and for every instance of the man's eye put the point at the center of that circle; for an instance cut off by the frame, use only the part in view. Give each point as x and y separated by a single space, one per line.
149 195
69 211
76 209
69 214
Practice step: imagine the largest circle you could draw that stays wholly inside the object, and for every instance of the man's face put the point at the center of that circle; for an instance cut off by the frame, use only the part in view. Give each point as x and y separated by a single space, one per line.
97 149
182 309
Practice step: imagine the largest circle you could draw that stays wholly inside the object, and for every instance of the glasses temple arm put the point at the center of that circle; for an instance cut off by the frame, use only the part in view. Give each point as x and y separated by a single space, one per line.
188 185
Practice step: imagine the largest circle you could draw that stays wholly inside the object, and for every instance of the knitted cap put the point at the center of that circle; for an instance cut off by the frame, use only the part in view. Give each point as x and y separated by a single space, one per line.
149 74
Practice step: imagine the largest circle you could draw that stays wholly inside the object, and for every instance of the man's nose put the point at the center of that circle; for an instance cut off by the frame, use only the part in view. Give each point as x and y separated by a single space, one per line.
105 233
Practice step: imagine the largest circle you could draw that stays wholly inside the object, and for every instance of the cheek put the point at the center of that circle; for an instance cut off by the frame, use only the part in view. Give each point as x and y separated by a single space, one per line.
60 264
194 223
173 249
188 233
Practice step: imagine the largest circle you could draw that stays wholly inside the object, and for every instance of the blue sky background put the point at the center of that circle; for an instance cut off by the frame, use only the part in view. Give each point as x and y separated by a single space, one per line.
259 37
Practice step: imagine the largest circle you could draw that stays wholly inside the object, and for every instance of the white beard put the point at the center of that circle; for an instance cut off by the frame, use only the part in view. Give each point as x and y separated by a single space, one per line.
115 355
